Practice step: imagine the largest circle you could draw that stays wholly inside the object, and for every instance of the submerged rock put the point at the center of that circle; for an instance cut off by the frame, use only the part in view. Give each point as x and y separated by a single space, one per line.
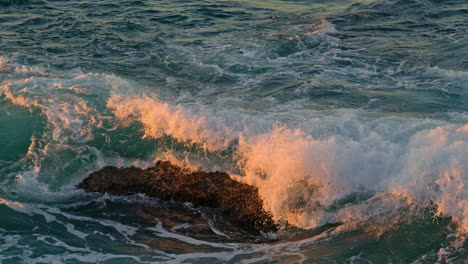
239 203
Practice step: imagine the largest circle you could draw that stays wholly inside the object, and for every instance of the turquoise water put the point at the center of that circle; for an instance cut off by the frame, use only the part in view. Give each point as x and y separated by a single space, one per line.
349 116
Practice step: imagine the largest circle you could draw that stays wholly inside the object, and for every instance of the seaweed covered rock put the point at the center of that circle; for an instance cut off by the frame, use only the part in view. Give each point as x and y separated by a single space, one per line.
239 203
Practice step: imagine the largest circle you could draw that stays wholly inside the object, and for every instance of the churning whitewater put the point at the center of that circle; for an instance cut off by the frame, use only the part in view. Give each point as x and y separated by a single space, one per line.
349 117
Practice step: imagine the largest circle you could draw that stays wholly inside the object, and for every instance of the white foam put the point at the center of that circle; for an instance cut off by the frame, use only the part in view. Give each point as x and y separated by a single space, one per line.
444 73
161 232
59 243
83 255
125 230
436 170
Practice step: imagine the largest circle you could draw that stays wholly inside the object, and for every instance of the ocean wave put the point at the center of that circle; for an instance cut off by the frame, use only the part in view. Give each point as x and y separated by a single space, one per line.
301 177
348 166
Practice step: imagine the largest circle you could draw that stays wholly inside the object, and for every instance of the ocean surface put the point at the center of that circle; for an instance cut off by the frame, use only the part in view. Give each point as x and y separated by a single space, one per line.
350 116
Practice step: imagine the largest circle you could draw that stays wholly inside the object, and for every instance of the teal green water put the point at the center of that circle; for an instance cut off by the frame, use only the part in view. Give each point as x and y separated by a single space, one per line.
349 116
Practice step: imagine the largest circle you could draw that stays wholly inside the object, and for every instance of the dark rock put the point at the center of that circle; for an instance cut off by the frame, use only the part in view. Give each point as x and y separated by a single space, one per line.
239 203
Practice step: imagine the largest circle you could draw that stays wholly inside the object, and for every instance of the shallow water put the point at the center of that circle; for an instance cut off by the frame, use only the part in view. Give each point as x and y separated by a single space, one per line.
349 116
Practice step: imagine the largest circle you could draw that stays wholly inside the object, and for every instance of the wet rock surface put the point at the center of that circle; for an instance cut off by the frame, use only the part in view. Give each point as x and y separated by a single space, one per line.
239 203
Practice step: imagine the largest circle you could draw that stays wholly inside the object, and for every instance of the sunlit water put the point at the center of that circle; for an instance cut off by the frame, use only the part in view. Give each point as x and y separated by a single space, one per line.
349 116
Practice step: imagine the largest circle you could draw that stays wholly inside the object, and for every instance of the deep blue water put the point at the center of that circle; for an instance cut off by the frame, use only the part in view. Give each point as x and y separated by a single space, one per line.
351 117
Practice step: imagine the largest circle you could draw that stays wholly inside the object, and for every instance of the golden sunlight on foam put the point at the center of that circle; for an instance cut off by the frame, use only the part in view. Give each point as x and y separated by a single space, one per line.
161 119
453 198
293 172
402 194
184 162
436 172
77 90
322 26
11 204
463 129
19 100
3 64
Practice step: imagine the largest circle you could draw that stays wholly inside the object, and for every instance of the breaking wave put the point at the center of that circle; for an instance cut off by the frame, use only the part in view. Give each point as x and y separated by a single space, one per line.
308 181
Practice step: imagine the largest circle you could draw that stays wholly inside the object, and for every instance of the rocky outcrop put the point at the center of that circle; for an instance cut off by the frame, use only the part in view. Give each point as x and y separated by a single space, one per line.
239 203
